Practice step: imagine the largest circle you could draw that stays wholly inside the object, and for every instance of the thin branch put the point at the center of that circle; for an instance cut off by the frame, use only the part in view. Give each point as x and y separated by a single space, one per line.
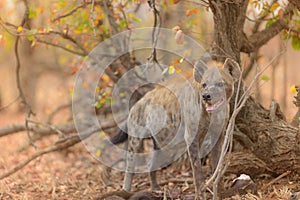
155 31
275 180
60 133
260 38
64 35
70 12
227 144
253 59
19 166
61 47
60 144
29 111
12 129
56 110
68 37
110 16
9 104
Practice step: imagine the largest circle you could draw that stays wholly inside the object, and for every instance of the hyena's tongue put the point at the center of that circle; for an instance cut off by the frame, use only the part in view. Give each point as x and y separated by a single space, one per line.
212 107
209 107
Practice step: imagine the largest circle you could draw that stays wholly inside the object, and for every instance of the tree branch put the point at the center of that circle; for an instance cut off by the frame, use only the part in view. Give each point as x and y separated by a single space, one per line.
67 128
260 38
29 111
61 47
70 12
58 147
60 144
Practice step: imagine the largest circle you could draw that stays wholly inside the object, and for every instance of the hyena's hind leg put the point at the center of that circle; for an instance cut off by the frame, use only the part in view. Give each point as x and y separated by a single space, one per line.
135 145
152 173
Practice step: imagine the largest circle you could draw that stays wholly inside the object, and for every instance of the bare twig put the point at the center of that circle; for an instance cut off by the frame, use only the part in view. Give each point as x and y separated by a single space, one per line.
67 128
275 180
56 110
110 17
155 32
60 133
9 104
64 35
61 47
227 144
70 12
29 111
60 144
253 59
69 143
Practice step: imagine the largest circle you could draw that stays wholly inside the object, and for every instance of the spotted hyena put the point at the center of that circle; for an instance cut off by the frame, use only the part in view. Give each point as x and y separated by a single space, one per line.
180 112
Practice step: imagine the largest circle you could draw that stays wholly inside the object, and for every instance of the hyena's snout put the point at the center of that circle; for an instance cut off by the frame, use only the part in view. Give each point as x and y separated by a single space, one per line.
206 97
213 100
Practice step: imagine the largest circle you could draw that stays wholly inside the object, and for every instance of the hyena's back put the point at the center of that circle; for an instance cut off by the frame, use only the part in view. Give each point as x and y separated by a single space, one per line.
158 113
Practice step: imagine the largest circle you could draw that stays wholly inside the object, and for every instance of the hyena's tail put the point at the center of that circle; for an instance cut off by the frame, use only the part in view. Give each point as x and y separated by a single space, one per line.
120 137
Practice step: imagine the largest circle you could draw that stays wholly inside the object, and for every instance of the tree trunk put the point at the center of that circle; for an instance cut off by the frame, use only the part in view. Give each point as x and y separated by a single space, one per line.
270 138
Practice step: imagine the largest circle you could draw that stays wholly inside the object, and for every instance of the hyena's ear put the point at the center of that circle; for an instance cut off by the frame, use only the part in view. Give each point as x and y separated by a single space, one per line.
200 67
233 68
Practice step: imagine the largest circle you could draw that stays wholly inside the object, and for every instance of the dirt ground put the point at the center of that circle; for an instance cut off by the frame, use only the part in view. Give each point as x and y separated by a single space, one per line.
75 174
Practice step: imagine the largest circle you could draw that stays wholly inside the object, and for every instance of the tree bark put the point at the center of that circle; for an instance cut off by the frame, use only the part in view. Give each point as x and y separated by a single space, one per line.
269 138
273 141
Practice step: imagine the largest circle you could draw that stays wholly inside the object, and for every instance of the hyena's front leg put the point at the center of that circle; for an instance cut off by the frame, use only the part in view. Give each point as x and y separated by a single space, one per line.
194 152
135 145
215 157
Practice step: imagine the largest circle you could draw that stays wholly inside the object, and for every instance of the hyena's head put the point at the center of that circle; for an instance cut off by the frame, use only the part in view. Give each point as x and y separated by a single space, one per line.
216 84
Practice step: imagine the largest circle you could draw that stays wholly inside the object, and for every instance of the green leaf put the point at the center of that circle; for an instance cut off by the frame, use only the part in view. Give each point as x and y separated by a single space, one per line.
98 105
296 42
31 33
286 35
122 94
136 19
30 37
32 13
123 24
265 78
109 100
270 22
102 134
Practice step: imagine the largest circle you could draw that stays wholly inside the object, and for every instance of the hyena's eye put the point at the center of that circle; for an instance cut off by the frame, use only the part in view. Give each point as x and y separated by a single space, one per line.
204 85
220 84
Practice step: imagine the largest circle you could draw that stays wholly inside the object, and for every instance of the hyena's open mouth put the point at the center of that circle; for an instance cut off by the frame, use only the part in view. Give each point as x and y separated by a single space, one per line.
213 106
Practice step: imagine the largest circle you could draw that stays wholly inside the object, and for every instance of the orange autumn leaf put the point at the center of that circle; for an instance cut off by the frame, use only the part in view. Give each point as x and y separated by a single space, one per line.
188 13
280 14
178 70
274 6
195 11
74 70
